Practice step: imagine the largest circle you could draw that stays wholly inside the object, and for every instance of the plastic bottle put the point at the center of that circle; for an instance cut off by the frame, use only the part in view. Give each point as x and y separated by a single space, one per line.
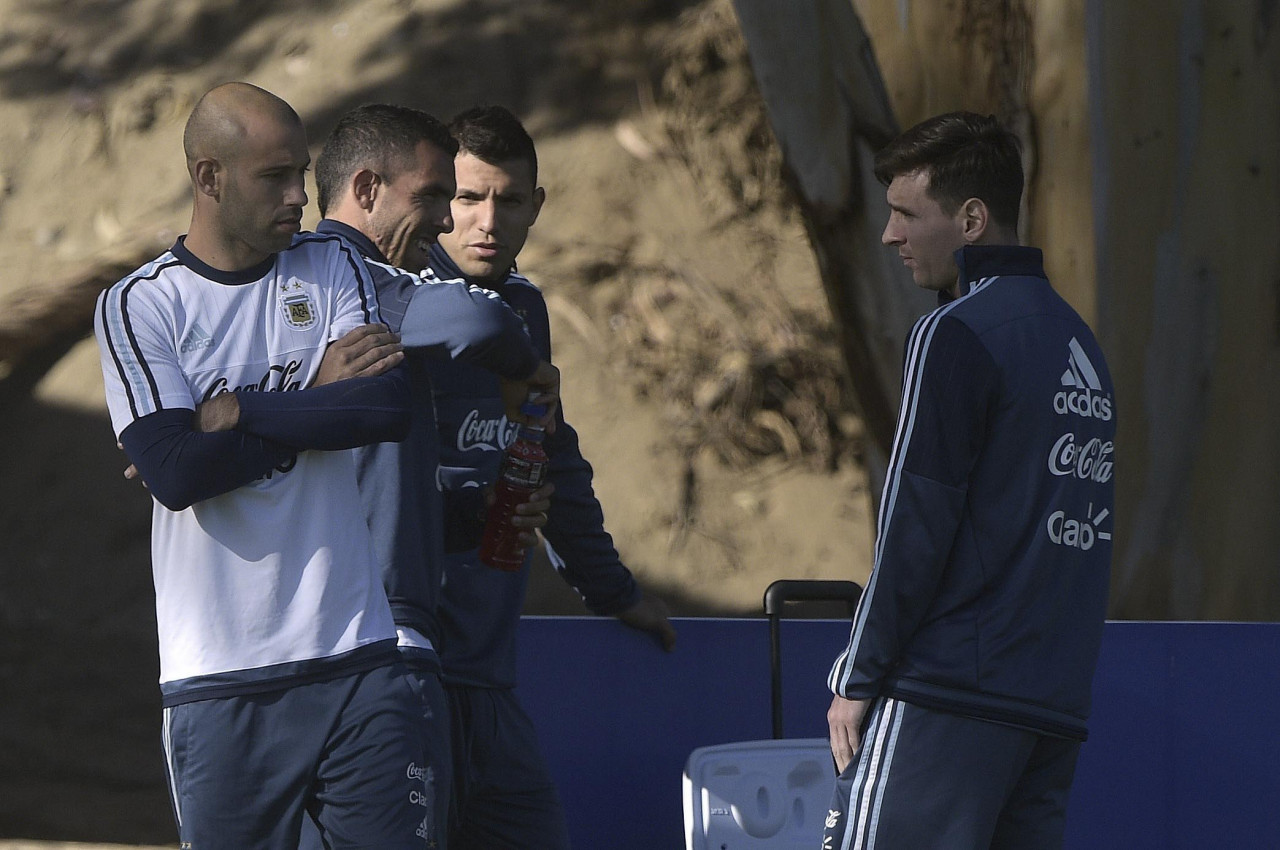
523 470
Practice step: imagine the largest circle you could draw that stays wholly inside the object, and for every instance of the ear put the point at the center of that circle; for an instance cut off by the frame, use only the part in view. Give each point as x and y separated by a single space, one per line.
365 185
539 198
206 175
974 219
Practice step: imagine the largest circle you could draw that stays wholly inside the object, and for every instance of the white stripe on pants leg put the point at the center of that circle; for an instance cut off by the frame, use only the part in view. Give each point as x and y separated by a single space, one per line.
899 710
166 729
873 773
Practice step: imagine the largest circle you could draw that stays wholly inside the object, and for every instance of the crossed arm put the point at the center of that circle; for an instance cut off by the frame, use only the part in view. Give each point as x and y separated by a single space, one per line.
234 438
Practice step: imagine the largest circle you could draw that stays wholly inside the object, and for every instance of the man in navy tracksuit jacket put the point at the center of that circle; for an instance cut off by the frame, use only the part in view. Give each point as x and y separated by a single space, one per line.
503 794
962 697
386 182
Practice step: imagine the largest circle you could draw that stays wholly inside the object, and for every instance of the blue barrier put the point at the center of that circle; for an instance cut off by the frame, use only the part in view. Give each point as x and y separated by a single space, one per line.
1184 750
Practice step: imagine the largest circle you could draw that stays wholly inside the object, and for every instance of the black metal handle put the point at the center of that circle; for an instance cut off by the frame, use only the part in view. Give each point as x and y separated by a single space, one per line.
776 596
810 590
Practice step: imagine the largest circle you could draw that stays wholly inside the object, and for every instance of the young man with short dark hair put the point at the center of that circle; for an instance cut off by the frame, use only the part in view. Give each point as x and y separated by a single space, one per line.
386 181
961 700
503 793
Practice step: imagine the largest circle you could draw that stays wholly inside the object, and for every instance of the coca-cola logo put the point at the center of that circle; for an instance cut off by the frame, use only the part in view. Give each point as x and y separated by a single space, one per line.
276 379
1088 461
485 434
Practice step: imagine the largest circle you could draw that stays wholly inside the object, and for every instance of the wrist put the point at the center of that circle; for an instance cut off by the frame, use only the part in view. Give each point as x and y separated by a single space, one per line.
220 413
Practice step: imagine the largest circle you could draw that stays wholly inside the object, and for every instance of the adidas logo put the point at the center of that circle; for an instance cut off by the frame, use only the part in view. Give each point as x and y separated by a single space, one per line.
1080 372
1083 395
197 338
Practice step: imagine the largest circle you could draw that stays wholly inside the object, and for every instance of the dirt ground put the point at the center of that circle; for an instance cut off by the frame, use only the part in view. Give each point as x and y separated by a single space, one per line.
698 358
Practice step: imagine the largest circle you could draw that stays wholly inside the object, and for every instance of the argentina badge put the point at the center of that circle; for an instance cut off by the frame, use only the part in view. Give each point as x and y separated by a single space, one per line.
296 305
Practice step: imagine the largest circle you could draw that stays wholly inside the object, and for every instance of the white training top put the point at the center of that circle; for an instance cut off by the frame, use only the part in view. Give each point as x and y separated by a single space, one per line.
281 570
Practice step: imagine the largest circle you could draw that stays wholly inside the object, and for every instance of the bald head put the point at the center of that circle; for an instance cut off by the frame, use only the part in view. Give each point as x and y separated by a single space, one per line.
227 114
247 157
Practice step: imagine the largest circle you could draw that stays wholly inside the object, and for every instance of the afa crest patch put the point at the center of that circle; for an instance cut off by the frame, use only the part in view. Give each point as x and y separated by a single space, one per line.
297 306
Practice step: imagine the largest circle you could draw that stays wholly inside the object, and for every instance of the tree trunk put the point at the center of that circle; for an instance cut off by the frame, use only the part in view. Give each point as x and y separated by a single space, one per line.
1152 146
830 112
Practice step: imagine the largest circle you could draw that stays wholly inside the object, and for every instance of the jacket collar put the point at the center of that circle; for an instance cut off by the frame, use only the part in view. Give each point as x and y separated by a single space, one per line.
363 243
446 269
976 262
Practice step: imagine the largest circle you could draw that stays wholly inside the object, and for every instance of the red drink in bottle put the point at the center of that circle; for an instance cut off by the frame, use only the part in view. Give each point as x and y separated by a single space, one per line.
523 470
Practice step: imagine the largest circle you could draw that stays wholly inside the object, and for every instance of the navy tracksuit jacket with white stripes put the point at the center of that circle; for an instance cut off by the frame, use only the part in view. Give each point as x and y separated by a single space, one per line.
398 482
992 560
480 607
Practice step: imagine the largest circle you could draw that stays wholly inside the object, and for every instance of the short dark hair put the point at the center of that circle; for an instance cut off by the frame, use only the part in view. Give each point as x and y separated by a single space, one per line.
495 135
379 136
966 155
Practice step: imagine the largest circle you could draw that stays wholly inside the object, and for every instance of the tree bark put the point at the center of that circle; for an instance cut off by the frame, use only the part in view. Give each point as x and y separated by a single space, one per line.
1152 145
830 112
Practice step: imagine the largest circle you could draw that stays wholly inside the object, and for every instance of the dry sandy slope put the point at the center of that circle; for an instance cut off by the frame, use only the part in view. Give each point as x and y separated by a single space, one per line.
637 228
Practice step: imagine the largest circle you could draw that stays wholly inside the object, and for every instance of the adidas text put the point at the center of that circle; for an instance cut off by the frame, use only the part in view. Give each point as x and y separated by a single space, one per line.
1083 403
197 339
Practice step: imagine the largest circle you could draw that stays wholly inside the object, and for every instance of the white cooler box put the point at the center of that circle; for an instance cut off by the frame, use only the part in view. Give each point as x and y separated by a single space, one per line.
758 794
774 793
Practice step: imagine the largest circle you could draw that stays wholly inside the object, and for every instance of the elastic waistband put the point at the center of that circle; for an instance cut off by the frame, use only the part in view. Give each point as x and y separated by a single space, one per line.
1009 711
276 677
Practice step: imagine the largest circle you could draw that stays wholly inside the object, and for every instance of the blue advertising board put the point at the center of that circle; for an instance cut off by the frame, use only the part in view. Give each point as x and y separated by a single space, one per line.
1183 748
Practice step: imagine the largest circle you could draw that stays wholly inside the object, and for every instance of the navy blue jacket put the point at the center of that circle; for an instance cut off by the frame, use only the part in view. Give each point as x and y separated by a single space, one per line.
480 606
993 548
398 481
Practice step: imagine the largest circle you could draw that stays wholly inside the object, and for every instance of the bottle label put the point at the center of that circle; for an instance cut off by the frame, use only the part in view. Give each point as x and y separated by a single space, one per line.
520 472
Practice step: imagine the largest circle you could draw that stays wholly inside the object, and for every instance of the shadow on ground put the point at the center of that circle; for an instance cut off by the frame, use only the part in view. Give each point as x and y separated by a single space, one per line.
80 750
